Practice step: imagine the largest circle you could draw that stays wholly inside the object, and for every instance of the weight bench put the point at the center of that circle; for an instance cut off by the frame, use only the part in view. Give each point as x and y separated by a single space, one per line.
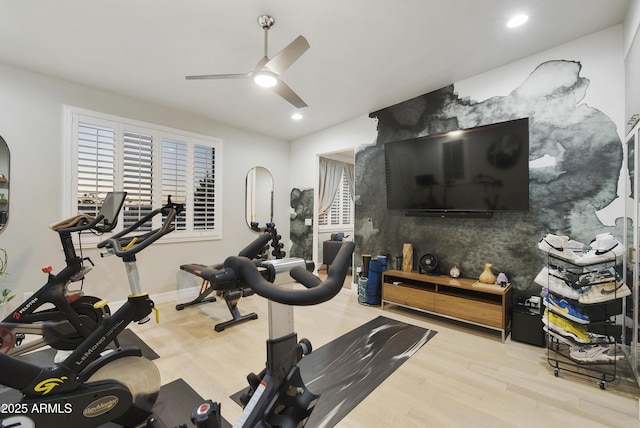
231 296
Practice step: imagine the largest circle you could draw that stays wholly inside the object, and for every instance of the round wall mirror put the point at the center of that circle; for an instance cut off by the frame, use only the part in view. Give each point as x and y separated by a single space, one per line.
259 198
4 184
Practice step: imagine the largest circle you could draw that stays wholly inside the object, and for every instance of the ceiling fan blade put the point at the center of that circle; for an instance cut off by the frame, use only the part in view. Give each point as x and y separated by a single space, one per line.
287 93
287 56
219 76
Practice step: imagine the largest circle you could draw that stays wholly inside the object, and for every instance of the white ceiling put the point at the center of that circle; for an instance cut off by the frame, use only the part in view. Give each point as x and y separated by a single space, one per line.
365 54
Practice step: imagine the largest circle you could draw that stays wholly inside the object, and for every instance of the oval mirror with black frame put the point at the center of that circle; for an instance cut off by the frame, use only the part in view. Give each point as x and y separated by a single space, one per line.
259 198
4 183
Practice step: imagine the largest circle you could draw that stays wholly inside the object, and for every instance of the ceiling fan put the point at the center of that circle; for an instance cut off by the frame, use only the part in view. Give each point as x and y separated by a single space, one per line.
268 70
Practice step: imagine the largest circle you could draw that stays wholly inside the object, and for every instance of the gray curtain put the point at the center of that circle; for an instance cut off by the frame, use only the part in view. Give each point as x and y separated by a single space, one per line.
349 172
330 175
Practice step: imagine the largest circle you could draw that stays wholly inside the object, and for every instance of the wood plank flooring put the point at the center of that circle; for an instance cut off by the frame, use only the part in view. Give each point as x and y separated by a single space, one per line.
463 377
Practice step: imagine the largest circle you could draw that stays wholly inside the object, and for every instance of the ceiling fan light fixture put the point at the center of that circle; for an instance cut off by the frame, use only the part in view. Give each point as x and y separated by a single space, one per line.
265 78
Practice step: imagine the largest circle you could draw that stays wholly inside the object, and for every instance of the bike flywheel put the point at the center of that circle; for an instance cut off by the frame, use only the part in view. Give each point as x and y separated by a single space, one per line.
139 375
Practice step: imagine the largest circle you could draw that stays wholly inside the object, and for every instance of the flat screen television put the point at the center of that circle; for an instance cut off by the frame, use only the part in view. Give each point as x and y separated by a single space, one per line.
477 170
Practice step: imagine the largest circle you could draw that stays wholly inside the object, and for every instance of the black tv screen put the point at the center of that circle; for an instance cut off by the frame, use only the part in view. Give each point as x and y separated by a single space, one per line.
481 169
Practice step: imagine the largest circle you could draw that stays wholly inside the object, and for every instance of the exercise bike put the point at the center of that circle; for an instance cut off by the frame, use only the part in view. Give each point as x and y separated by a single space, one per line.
231 293
89 389
277 397
73 316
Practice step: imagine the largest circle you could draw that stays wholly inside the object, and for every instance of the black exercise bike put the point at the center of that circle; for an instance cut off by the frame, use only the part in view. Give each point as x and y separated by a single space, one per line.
277 396
73 316
89 389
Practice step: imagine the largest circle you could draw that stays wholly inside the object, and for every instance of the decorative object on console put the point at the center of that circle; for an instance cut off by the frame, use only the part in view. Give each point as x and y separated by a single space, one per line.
487 277
454 272
502 279
428 264
407 257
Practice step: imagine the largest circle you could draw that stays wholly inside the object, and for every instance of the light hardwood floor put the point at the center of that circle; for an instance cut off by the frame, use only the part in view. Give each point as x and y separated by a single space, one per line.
463 377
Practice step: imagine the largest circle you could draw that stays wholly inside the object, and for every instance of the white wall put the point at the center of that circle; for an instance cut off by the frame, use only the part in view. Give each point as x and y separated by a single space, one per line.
601 56
306 151
31 119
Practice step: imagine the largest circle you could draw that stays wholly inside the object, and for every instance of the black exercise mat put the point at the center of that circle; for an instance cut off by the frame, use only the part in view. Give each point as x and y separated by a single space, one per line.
350 367
347 369
176 402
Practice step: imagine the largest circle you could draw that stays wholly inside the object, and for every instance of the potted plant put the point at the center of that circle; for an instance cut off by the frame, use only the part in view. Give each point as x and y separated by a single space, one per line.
5 296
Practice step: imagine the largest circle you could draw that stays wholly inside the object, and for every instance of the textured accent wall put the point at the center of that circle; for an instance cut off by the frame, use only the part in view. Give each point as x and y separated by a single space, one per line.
301 235
575 161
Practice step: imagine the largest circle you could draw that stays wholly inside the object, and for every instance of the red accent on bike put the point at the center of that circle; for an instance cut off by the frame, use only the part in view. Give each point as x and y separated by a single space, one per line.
204 408
47 269
16 315
72 296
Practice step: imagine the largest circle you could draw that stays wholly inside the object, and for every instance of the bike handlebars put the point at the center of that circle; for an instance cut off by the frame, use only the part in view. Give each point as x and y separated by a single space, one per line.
126 246
316 291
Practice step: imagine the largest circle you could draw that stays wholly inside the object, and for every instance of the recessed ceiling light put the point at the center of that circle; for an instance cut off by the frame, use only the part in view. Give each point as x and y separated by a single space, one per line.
296 116
517 21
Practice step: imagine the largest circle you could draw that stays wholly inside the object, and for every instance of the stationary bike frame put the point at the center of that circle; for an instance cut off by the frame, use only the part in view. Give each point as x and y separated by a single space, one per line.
65 384
278 396
73 317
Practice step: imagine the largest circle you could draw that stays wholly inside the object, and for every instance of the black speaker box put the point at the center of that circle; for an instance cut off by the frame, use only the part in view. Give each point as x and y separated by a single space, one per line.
526 325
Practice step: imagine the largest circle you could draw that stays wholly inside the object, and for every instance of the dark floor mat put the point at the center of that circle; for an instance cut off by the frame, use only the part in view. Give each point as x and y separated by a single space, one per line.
176 402
347 369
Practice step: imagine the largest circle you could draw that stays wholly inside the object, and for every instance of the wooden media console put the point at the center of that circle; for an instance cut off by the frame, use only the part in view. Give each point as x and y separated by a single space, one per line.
467 300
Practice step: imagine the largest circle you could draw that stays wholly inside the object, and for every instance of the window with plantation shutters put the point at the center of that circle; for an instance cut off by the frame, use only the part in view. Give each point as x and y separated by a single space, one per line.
150 162
137 177
340 214
174 175
204 184
95 165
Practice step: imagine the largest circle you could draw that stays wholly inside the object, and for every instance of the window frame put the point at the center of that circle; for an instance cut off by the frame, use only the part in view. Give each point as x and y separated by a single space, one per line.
339 198
72 115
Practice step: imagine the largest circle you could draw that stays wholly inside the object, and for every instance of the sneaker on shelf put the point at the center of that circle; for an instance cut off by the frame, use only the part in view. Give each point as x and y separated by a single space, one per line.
565 327
560 246
608 275
566 309
596 353
555 280
604 292
603 247
559 337
600 338
616 348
